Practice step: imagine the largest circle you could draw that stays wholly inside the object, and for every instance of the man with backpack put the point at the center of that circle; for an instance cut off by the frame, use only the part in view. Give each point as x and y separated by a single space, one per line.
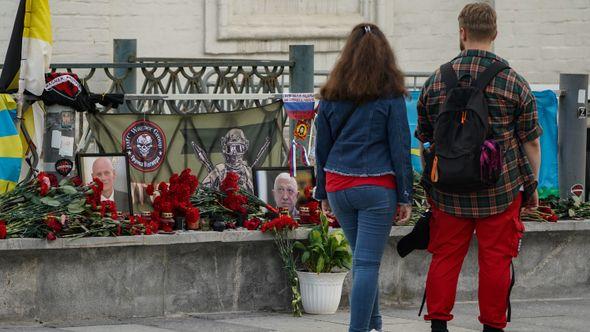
477 121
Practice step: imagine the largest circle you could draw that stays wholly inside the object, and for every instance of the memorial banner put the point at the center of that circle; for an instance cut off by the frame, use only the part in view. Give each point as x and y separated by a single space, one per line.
210 144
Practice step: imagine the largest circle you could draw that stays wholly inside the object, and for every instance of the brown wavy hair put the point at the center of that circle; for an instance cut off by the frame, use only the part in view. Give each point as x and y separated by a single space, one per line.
479 19
366 69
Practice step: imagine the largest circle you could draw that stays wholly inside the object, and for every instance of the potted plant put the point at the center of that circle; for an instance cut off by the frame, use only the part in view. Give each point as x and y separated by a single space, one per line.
325 257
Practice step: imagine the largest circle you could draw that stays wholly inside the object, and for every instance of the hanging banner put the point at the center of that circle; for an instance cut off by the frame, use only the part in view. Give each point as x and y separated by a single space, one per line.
299 106
210 144
547 113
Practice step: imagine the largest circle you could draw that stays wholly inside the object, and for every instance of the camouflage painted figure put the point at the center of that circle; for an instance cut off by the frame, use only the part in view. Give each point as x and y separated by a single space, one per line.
234 146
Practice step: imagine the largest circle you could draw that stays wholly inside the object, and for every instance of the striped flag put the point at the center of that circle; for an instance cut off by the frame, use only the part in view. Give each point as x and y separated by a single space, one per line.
29 52
27 60
10 153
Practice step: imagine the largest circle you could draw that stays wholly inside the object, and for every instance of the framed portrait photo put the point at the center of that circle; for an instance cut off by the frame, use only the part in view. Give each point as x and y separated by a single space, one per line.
275 186
113 170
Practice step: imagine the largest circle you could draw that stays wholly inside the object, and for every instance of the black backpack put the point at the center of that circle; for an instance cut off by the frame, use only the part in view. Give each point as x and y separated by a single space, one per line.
463 157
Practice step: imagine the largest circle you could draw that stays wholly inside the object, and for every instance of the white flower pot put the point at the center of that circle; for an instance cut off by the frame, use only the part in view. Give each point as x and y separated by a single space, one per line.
320 293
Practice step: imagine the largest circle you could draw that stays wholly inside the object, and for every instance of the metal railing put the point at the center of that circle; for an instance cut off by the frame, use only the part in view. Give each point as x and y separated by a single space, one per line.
184 76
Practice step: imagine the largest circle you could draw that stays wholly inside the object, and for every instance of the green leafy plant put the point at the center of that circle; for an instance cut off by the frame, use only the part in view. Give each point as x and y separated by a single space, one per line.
325 250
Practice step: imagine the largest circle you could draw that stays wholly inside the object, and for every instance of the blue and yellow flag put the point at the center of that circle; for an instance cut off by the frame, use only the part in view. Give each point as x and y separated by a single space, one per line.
11 152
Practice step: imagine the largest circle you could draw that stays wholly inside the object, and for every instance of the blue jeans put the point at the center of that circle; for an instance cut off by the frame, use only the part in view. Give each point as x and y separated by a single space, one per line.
366 214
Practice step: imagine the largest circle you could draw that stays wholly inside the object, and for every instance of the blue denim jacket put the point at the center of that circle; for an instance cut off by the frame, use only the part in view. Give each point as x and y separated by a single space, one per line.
375 141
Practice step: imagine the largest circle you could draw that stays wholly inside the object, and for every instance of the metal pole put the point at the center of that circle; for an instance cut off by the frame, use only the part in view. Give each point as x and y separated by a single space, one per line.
125 50
572 135
301 73
300 76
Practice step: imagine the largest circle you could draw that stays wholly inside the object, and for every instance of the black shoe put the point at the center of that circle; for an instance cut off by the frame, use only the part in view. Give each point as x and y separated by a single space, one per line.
487 328
438 325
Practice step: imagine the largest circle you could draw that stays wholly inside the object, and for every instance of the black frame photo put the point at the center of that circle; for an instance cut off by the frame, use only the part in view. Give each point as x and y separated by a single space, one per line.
108 167
266 183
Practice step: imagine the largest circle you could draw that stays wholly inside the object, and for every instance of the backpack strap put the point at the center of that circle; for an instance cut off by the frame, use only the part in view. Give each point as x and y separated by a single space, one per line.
484 78
448 76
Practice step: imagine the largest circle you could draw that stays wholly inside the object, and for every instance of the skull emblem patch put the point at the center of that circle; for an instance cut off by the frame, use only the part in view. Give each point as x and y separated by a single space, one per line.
145 144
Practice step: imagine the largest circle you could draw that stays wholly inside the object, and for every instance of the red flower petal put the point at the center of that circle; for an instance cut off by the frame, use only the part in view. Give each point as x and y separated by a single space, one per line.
3 231
150 189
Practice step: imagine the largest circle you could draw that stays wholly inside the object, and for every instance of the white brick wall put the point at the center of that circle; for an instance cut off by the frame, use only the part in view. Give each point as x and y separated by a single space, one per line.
544 37
540 38
425 33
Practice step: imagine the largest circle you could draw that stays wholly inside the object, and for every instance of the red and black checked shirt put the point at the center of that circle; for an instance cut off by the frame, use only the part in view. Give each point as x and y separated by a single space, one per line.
513 121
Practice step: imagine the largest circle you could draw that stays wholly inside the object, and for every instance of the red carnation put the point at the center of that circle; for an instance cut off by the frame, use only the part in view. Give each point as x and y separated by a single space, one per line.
236 202
153 226
163 187
157 203
52 179
99 185
166 207
181 208
230 183
51 236
185 174
44 189
76 181
252 224
545 209
174 178
3 231
108 207
43 177
53 224
150 189
280 223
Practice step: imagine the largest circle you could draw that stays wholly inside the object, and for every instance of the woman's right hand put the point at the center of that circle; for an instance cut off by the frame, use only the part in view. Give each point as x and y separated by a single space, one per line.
403 214
326 209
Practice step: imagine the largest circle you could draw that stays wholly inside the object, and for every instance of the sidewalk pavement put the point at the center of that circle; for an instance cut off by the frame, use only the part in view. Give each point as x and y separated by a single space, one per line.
555 315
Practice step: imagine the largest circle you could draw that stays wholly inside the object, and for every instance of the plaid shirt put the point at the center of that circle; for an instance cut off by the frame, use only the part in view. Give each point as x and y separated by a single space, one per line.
513 121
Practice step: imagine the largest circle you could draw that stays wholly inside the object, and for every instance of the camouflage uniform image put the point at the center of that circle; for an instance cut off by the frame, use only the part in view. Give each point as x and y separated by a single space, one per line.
234 146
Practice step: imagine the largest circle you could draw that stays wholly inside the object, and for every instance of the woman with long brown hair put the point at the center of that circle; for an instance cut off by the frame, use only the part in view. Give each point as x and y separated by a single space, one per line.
363 168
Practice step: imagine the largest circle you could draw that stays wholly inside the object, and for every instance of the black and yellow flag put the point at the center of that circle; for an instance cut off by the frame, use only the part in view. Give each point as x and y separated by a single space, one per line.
27 60
29 52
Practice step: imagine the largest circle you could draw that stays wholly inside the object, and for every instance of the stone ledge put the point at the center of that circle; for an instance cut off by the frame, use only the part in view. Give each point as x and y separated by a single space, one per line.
227 236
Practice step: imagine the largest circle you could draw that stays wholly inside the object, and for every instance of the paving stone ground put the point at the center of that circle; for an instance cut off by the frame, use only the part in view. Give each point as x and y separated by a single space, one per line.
549 315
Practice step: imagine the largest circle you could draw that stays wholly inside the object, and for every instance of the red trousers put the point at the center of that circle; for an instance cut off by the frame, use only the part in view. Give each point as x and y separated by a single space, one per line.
498 239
